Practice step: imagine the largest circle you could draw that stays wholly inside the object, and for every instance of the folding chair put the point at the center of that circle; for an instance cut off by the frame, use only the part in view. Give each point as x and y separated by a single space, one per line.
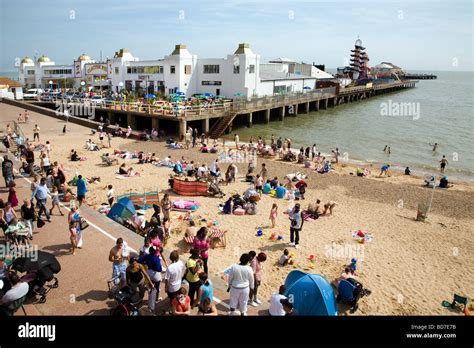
218 238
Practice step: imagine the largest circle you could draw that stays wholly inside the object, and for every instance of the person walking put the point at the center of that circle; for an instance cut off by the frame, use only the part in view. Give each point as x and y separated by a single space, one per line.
81 189
174 275
36 133
28 215
443 163
241 282
41 193
193 268
296 225
153 263
202 243
257 267
119 257
7 171
166 206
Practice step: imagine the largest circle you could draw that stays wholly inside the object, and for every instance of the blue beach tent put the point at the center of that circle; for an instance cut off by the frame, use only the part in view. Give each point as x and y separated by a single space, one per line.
122 210
311 294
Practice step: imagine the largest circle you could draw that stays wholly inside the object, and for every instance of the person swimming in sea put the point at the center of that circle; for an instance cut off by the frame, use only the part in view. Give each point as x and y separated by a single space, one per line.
435 146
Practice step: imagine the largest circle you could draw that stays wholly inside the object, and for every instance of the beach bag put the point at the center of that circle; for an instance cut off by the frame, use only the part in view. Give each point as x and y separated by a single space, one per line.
84 224
40 223
79 241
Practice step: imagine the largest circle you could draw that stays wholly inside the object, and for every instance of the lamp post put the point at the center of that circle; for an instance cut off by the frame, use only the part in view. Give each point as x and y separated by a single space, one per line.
51 86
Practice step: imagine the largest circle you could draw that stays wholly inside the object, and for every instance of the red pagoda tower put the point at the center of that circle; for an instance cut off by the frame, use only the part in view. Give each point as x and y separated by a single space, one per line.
359 62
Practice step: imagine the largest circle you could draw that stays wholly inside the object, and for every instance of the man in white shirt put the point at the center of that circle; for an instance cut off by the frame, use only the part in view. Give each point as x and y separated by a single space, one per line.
276 308
201 171
110 195
241 281
139 220
18 290
166 161
174 275
213 168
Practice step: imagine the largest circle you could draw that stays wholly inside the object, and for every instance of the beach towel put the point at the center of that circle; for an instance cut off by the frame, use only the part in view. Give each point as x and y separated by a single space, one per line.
182 205
362 237
295 176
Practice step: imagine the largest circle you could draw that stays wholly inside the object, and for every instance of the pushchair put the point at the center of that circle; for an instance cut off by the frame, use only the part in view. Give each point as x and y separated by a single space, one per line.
128 303
19 237
350 291
40 268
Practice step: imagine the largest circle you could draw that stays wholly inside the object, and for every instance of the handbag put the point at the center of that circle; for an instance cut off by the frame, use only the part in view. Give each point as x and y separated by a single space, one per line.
84 224
40 223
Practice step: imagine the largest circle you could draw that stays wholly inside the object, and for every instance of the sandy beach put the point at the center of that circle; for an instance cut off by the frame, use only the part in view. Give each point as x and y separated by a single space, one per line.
409 266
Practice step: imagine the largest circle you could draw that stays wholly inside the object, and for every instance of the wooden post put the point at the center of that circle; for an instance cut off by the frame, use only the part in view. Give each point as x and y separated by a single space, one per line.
307 107
267 116
316 105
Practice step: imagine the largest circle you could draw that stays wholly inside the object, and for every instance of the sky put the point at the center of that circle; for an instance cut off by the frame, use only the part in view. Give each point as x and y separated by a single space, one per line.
413 34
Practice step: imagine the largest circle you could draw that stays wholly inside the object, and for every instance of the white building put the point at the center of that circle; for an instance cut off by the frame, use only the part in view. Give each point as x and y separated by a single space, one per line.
239 74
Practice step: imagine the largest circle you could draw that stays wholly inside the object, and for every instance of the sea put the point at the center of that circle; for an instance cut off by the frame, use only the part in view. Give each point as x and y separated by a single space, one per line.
438 111
408 121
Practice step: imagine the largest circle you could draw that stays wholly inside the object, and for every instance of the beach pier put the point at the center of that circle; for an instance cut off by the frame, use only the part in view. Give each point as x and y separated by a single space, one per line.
224 117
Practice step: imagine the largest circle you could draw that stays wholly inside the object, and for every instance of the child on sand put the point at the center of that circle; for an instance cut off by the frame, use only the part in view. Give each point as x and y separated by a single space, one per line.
285 258
384 170
274 214
328 207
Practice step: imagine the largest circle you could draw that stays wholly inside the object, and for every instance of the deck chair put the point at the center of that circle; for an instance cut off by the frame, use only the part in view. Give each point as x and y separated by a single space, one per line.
108 161
218 238
188 240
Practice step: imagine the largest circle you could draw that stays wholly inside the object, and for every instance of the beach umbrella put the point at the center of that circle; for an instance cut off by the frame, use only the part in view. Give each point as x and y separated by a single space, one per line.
306 87
220 96
180 93
150 96
208 94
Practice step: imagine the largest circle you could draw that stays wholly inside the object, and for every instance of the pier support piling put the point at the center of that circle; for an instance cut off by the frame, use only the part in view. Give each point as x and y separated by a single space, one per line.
155 123
307 107
282 113
130 120
205 125
267 116
182 129
316 105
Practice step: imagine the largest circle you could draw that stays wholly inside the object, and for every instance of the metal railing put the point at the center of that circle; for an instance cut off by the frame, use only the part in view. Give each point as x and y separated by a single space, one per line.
282 99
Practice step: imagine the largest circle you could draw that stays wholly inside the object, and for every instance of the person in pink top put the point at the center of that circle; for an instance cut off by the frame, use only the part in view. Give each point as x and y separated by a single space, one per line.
257 266
156 243
202 243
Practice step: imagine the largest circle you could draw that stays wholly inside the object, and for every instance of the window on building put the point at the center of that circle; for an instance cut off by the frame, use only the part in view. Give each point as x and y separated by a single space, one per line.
30 72
172 69
251 69
211 69
187 69
116 70
236 69
211 83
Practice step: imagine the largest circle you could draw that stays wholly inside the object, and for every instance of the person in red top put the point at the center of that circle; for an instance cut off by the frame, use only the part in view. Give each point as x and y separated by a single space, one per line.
181 304
202 244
